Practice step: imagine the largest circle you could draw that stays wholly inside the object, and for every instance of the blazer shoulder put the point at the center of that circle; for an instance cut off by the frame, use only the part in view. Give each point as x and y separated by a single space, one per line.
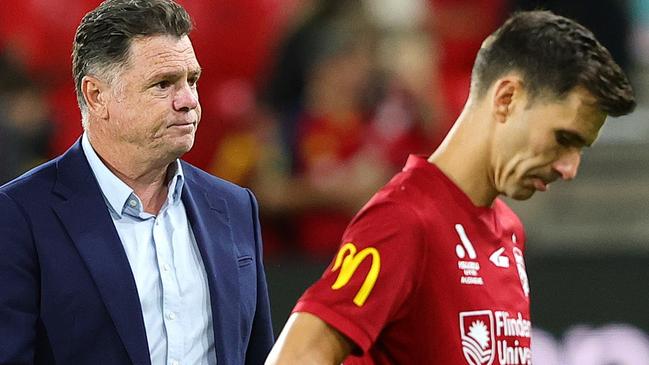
210 182
32 183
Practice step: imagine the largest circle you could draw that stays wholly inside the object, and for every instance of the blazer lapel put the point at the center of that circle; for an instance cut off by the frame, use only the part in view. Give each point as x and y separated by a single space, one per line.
210 223
83 213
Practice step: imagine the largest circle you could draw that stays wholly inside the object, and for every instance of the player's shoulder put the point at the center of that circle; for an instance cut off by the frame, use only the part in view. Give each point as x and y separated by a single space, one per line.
387 207
410 194
388 221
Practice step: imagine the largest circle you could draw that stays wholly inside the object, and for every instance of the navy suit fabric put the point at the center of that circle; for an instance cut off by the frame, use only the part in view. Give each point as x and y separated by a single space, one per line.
67 293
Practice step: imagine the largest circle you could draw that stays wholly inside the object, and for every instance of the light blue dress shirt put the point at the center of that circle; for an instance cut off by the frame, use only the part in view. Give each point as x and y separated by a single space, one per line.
167 266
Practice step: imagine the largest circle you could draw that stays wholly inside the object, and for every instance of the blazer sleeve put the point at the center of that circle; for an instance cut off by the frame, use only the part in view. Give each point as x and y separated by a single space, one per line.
261 337
19 285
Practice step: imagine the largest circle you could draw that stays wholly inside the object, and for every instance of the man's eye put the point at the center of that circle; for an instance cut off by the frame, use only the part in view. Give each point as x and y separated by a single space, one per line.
192 81
563 139
163 85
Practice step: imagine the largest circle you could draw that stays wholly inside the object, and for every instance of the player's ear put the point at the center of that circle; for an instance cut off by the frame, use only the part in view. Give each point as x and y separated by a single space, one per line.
506 93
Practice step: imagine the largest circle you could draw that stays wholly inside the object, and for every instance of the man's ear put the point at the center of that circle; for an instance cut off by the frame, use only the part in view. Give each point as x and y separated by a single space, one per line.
96 94
507 93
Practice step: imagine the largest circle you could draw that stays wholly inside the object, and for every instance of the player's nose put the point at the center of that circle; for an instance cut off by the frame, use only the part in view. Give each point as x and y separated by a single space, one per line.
568 164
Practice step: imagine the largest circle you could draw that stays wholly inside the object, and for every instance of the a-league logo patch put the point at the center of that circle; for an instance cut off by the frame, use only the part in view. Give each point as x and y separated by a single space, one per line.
477 333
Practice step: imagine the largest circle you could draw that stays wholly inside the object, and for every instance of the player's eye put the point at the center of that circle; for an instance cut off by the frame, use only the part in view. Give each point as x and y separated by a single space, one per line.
562 139
567 139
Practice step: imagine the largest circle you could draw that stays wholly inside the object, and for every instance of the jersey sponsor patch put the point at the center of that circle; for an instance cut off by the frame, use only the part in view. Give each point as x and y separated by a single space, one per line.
348 260
477 335
495 337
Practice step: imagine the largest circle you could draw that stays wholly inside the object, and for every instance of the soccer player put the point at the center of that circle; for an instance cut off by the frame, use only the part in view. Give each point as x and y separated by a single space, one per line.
431 270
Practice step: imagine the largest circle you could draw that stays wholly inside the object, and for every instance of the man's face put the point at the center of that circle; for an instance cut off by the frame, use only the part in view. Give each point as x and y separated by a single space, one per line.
153 103
542 142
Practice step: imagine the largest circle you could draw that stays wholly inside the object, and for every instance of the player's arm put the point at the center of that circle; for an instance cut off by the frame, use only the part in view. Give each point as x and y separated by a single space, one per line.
308 340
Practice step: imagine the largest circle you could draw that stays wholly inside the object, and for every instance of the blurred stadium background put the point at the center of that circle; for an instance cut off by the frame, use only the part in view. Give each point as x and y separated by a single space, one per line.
314 104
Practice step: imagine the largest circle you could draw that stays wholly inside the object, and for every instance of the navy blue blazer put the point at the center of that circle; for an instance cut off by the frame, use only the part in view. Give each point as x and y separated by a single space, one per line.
67 293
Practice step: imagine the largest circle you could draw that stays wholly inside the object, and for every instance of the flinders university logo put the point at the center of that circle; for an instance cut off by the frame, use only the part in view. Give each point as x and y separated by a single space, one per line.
478 343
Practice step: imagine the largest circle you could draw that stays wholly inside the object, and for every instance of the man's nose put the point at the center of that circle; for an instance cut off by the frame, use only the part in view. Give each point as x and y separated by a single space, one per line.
186 98
568 164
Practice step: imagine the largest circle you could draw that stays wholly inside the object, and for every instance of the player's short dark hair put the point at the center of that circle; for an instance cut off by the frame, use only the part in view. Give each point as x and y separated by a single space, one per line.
103 38
554 55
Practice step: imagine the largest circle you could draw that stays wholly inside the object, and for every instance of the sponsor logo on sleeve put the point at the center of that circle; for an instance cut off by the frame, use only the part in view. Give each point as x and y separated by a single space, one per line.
348 261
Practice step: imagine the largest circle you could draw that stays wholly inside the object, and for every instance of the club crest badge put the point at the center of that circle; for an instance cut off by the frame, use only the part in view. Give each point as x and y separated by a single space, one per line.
478 341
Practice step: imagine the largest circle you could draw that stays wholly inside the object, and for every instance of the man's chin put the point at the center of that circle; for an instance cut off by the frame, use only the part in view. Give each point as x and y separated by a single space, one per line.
181 150
182 144
521 194
177 150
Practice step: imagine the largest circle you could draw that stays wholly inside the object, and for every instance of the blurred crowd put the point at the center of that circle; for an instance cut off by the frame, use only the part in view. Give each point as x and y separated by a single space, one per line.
312 104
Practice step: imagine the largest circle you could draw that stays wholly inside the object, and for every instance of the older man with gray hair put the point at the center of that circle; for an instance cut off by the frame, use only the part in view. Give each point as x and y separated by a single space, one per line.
118 252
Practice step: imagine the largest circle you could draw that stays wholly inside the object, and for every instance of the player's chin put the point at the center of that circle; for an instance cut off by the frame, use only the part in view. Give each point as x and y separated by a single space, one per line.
521 193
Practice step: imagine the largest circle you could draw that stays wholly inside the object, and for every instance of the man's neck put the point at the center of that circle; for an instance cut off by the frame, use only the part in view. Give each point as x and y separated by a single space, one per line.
148 177
464 157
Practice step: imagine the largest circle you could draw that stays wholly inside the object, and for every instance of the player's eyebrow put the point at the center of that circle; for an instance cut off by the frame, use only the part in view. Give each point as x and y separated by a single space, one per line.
574 138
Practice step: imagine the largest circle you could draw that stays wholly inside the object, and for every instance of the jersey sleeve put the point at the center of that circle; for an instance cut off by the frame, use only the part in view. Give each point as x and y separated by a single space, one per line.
370 278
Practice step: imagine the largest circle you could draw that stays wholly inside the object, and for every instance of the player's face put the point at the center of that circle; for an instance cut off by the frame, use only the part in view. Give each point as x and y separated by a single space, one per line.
154 104
543 142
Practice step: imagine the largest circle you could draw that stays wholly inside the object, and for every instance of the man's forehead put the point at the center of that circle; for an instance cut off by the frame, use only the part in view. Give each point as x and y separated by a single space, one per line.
587 105
576 112
593 118
158 52
589 117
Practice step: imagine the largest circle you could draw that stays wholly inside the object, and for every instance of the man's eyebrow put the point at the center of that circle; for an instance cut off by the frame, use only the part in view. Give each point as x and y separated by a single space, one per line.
196 71
579 139
576 138
166 75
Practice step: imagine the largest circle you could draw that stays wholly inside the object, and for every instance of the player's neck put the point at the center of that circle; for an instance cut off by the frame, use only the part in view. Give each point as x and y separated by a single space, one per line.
464 157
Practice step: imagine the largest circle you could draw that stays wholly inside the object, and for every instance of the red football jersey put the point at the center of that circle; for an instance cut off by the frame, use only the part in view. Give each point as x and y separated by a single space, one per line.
425 277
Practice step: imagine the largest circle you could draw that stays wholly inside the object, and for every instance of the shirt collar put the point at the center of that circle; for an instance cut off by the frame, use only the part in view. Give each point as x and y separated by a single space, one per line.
115 191
176 183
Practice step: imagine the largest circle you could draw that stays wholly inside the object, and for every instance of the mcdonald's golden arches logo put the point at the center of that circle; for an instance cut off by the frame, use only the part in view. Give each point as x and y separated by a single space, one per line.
348 261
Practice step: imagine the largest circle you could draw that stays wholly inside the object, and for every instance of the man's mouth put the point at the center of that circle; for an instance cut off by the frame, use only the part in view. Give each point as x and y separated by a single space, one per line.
539 184
182 124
